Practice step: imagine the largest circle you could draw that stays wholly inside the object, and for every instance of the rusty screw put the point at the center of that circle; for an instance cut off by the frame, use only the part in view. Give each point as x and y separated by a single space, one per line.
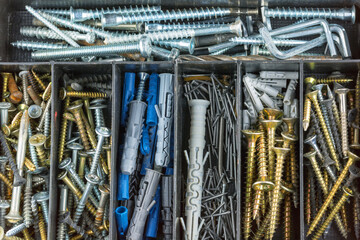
15 95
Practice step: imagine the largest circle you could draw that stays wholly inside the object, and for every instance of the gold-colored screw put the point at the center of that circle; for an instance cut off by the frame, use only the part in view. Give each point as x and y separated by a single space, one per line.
6 180
275 204
313 98
332 80
69 116
38 141
26 234
29 165
63 131
251 136
287 205
346 194
330 196
342 92
309 81
107 148
47 93
14 124
5 84
308 202
76 111
88 113
272 114
42 227
64 94
105 192
38 80
82 161
290 123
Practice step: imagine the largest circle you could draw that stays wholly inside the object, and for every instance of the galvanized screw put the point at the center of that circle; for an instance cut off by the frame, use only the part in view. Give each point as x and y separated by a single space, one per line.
102 132
65 218
75 147
42 198
342 92
4 112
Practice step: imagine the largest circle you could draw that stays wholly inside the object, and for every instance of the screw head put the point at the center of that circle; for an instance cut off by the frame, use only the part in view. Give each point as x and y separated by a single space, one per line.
6 130
41 196
97 106
22 107
342 91
105 189
62 175
4 204
65 217
236 27
35 111
75 107
83 154
99 101
62 93
37 140
76 86
75 146
92 178
103 131
106 147
174 54
145 47
23 74
5 105
65 163
91 152
310 80
90 38
39 170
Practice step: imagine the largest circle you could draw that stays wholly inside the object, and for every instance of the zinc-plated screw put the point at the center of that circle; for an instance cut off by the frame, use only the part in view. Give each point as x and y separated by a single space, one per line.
184 45
38 46
62 227
94 78
42 119
342 92
103 133
141 46
345 14
334 189
252 137
156 27
105 192
97 105
23 76
64 94
4 205
76 111
91 181
38 141
15 230
39 225
66 219
75 147
27 201
275 204
346 194
35 111
42 198
313 97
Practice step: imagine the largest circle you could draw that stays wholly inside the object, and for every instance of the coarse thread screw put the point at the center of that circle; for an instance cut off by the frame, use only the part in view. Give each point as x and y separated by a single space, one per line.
63 129
4 205
309 81
42 119
347 193
14 124
105 192
6 180
64 94
260 41
330 196
39 225
76 111
345 14
251 136
333 80
356 216
34 83
92 180
47 93
4 86
94 78
27 201
38 80
275 204
156 27
287 217
307 202
141 87
38 141
342 92
88 111
42 198
97 106
15 230
38 46
313 97
24 80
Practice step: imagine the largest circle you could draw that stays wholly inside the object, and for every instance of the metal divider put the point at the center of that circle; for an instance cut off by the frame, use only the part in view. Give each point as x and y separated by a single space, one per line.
301 150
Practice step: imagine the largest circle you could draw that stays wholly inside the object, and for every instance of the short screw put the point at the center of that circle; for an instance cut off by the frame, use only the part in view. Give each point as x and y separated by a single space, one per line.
105 192
38 80
309 81
76 111
5 77
38 141
15 230
64 94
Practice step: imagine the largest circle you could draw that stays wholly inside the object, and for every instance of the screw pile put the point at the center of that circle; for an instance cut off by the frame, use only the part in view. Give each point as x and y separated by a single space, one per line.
171 31
24 173
268 112
83 161
330 145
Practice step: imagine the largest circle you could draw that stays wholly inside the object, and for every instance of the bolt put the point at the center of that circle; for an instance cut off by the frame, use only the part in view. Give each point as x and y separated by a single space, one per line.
76 111
342 92
91 181
142 46
346 194
65 218
102 132
251 136
330 196
38 141
345 14
313 97
275 204
64 94
105 192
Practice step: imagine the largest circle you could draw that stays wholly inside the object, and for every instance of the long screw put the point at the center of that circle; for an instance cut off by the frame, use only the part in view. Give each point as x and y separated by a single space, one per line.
27 201
342 92
39 225
24 79
76 111
330 196
103 133
313 97
309 81
64 94
63 128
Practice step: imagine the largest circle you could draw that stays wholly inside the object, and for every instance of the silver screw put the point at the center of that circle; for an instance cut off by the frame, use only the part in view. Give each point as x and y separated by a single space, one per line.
97 105
140 91
345 14
27 201
35 111
75 147
65 218
184 45
4 205
156 27
32 149
91 181
15 230
24 79
42 198
166 15
47 124
45 33
260 41
102 132
4 112
62 227
42 119
142 46
38 46
165 54
34 209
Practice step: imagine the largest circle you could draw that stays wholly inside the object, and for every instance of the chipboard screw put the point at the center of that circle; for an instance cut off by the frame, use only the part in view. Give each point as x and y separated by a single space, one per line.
42 198
27 201
63 128
103 133
309 81
76 111
64 94
39 225
42 119
97 106
34 83
156 27
24 79
94 78
38 46
333 80
14 124
105 192
38 80
342 92
252 137
38 141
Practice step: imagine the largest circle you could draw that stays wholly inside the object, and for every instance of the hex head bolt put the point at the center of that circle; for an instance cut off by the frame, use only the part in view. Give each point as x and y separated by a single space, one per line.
38 141
251 136
105 193
65 218
67 165
334 189
62 176
313 97
102 132
15 95
75 147
346 194
91 181
275 204
342 92
76 111
4 112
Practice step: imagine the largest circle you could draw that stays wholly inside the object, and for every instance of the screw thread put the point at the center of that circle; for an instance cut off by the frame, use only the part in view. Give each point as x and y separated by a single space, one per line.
81 127
332 80
344 133
271 154
287 218
344 218
42 120
260 41
36 46
34 84
99 217
38 80
308 203
63 130
99 85
36 221
141 88
61 230
95 78
42 155
335 130
179 26
15 230
86 94
47 124
4 88
99 118
78 212
257 202
307 108
6 180
24 83
32 149
294 174
332 214
27 207
45 210
42 227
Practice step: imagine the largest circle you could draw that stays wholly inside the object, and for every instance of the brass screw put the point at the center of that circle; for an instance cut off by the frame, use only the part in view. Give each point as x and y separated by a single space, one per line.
275 204
69 116
76 111
15 95
42 226
107 148
273 114
342 92
6 180
332 80
64 94
251 136
38 80
330 196
346 194
88 113
290 123
313 97
14 124
5 84
29 165
38 141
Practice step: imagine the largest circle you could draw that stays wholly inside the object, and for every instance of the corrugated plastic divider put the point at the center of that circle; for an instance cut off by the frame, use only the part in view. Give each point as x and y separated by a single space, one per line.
239 107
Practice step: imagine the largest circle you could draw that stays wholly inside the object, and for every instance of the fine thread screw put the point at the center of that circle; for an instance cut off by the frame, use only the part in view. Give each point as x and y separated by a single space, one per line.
76 111
155 27
347 193
313 96
42 120
32 150
330 196
42 198
64 94
47 124
307 202
38 46
251 137
260 41
333 80
287 207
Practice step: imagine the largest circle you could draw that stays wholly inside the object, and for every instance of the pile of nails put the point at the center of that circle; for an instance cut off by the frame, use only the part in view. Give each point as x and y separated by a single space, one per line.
84 155
270 138
331 109
211 196
164 34
25 154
